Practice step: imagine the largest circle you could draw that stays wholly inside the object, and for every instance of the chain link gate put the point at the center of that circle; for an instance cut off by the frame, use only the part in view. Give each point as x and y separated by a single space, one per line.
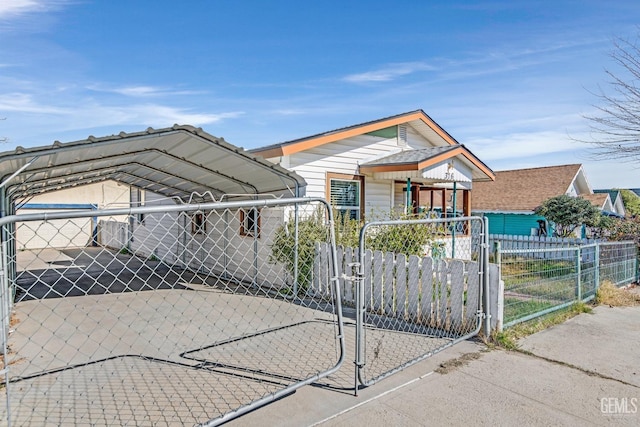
420 286
164 315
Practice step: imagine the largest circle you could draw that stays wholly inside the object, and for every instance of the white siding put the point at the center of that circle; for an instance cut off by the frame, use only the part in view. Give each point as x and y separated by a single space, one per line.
415 140
220 249
339 157
157 234
344 157
378 196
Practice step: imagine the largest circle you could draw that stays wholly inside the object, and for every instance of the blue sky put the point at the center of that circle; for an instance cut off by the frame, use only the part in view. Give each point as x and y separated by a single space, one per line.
511 80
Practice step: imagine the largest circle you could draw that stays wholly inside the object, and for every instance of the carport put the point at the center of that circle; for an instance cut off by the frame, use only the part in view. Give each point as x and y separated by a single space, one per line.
187 318
182 161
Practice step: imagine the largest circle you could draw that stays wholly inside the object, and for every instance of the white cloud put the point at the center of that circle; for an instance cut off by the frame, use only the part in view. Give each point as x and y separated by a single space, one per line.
164 116
25 103
521 145
18 7
142 91
28 119
13 8
389 72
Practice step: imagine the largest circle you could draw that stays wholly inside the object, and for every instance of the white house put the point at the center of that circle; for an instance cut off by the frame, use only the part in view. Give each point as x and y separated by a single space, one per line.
617 204
367 170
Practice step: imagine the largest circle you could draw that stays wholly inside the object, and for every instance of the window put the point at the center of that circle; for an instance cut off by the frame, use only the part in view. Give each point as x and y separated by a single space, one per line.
250 223
346 194
198 223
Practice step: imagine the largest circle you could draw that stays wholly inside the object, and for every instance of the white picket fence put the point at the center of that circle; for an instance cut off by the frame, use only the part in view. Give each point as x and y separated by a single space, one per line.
437 292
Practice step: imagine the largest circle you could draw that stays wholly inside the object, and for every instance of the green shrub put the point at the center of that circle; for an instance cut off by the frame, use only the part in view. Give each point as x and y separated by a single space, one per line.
411 239
408 239
310 230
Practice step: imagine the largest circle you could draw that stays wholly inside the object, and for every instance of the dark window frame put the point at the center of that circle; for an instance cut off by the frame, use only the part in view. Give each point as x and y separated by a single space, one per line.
332 176
198 223
251 222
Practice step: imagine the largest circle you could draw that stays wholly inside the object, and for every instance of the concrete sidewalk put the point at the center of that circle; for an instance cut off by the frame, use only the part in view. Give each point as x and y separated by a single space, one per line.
582 372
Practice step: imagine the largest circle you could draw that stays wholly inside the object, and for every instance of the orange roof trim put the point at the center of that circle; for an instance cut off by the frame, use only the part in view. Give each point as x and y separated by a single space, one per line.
303 144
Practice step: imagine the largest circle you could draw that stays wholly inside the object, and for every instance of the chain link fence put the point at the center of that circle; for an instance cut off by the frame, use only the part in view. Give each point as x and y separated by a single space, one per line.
538 281
418 289
164 315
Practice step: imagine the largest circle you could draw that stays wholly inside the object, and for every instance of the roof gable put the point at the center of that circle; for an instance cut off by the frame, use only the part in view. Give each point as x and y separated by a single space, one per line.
599 200
443 145
524 189
418 119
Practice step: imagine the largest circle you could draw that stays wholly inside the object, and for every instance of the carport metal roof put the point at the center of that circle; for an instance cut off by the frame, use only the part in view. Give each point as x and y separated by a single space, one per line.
181 161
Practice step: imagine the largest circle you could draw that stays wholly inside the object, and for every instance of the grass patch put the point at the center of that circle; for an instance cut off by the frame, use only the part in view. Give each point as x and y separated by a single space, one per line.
515 308
508 339
609 294
519 270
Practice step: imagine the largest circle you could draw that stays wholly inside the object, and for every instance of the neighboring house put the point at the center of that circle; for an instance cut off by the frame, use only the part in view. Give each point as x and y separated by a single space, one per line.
65 233
509 202
600 200
617 204
405 162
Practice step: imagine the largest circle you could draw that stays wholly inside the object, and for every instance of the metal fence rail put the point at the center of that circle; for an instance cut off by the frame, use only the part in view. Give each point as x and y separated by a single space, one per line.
166 315
419 287
539 281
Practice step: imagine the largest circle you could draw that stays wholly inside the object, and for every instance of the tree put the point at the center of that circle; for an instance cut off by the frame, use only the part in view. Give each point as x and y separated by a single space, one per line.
631 202
569 213
615 128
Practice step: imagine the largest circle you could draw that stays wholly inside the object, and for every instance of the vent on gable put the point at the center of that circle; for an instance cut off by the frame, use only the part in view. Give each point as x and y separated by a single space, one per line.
402 136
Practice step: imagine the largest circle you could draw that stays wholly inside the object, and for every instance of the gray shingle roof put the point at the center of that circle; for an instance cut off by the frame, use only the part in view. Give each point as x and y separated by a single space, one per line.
410 156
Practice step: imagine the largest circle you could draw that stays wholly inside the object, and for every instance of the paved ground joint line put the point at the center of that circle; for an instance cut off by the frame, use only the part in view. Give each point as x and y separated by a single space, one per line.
527 397
371 399
577 368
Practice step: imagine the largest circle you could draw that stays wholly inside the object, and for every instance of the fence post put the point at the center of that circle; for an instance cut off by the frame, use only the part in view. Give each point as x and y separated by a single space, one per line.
578 274
498 256
485 278
597 269
635 265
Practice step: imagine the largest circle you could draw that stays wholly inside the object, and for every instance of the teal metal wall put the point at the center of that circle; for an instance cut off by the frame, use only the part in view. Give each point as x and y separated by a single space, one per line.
513 224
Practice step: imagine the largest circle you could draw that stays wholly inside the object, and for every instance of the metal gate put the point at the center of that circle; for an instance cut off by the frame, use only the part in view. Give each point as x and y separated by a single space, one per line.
420 286
170 314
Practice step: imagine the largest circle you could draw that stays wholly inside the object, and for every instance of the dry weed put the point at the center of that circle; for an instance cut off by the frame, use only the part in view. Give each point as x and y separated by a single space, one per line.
609 294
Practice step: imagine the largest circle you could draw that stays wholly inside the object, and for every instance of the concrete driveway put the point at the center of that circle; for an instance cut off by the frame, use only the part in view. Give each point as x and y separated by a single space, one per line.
583 372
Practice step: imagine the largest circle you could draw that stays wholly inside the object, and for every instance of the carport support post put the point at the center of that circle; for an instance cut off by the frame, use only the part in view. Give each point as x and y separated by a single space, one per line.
5 309
8 270
5 299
